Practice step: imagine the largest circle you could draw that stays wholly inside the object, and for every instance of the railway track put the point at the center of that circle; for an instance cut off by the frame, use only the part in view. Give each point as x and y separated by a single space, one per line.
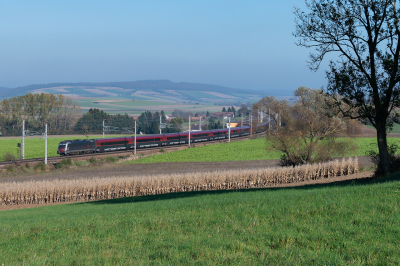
142 151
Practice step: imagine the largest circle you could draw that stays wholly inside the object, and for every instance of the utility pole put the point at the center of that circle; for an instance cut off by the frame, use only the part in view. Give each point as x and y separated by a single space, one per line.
269 118
251 125
160 124
189 131
45 146
103 127
279 119
229 129
23 139
135 136
200 123
242 121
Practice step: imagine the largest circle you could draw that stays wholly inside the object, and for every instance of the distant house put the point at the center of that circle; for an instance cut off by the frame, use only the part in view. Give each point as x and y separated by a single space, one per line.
169 117
223 115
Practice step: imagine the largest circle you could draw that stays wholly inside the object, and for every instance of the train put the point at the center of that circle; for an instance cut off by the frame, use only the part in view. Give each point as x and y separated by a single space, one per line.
86 146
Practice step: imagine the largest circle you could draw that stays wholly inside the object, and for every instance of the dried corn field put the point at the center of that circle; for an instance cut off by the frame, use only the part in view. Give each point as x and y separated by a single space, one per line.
41 192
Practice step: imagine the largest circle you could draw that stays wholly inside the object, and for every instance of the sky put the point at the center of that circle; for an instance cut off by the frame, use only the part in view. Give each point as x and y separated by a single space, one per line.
238 44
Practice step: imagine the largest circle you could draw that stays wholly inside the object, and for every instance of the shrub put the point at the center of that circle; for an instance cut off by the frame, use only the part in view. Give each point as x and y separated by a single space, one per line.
394 159
8 156
40 166
10 169
81 163
162 150
111 159
92 160
66 161
58 165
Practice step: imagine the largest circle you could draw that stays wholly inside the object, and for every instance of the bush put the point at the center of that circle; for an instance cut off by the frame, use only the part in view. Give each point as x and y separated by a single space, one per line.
92 160
10 169
81 163
66 161
9 157
162 150
394 159
63 163
40 166
111 159
298 153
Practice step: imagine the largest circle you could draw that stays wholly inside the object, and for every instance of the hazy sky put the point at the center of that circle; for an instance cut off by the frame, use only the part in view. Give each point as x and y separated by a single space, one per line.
239 44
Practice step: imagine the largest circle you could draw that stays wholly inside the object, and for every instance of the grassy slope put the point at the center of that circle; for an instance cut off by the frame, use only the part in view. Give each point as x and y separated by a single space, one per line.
349 224
240 151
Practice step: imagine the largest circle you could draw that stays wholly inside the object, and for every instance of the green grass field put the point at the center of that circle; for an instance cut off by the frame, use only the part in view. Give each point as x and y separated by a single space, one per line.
396 128
234 151
352 223
241 151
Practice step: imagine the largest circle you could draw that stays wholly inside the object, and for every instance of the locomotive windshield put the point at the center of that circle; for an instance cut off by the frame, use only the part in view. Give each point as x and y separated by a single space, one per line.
61 146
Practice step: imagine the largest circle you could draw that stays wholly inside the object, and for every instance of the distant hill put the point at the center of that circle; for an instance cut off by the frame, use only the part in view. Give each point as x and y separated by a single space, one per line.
161 90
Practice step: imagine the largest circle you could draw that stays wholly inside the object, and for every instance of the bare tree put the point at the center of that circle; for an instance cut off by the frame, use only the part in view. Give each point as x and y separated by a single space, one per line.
306 130
58 110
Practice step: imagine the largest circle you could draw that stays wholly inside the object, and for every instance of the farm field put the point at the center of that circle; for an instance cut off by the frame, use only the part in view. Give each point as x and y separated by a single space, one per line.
121 106
351 223
241 151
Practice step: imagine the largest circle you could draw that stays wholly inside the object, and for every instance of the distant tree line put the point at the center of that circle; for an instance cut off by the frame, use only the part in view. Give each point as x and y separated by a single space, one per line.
92 122
60 113
149 123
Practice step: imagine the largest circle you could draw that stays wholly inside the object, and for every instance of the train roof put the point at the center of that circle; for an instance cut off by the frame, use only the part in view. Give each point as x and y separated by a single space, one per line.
76 141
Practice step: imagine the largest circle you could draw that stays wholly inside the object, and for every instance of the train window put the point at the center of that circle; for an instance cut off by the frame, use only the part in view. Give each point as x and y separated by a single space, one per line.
143 140
170 138
200 135
114 143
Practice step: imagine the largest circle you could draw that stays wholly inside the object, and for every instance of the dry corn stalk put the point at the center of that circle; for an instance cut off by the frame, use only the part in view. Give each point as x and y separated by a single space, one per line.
37 192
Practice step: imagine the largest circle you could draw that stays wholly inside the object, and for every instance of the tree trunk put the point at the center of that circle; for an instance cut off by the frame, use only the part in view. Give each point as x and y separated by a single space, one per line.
384 162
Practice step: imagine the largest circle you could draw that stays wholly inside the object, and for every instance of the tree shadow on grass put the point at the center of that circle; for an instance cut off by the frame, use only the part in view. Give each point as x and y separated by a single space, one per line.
179 195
